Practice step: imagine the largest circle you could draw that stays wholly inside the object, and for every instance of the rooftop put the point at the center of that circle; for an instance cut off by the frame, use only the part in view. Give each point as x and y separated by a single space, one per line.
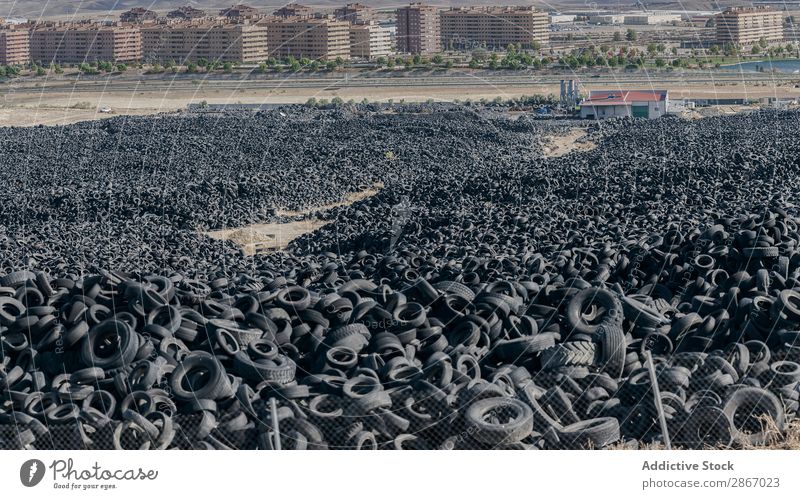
622 97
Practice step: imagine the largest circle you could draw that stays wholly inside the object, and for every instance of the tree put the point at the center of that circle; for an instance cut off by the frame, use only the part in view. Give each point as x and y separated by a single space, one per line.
473 64
437 59
449 64
715 49
40 71
417 60
330 65
191 67
661 48
604 48
617 36
314 65
339 61
660 62
600 61
381 61
631 35
228 67
651 48
762 42
390 63
295 66
674 50
535 45
755 50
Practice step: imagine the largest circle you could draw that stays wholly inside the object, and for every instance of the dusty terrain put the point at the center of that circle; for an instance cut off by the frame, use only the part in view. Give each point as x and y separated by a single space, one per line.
560 145
29 103
259 238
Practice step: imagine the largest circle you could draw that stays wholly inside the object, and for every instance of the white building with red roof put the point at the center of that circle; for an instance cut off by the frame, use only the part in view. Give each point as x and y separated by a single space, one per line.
603 104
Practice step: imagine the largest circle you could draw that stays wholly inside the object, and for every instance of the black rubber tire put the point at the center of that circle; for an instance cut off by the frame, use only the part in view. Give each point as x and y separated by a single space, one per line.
455 288
492 433
604 298
280 369
511 350
571 353
217 386
750 399
612 349
595 433
105 335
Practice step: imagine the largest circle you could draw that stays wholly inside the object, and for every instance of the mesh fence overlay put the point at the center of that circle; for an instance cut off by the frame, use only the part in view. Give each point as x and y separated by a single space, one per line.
520 317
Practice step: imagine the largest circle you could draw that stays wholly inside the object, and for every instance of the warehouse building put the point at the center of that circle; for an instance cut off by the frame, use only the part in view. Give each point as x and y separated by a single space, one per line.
651 18
295 10
418 29
210 40
85 42
322 39
369 41
606 19
355 13
14 46
495 27
138 15
603 104
748 25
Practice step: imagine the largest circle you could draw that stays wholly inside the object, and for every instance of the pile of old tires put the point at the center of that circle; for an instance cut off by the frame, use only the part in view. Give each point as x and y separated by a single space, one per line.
487 297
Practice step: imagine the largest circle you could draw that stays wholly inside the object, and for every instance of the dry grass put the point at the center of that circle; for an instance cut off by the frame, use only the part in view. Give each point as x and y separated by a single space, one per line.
560 145
788 440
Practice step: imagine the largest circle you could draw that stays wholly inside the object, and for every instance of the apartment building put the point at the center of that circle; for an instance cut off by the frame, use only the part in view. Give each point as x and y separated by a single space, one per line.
240 12
322 38
14 46
138 15
495 27
418 29
295 10
85 42
747 25
186 13
355 13
369 41
210 40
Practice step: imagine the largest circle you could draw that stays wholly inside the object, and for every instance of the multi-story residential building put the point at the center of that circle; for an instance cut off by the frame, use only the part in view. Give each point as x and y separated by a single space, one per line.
138 15
74 43
355 13
14 46
369 41
295 10
497 27
240 12
210 40
186 13
322 39
748 25
418 29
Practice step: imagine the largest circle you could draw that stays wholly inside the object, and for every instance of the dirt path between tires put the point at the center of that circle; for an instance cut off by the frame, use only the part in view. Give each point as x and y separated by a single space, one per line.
263 238
560 145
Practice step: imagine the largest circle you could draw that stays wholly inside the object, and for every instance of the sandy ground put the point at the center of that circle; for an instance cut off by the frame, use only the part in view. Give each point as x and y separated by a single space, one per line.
28 105
560 145
261 238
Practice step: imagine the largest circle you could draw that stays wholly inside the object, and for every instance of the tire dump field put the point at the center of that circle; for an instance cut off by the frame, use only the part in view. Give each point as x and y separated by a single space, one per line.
486 297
